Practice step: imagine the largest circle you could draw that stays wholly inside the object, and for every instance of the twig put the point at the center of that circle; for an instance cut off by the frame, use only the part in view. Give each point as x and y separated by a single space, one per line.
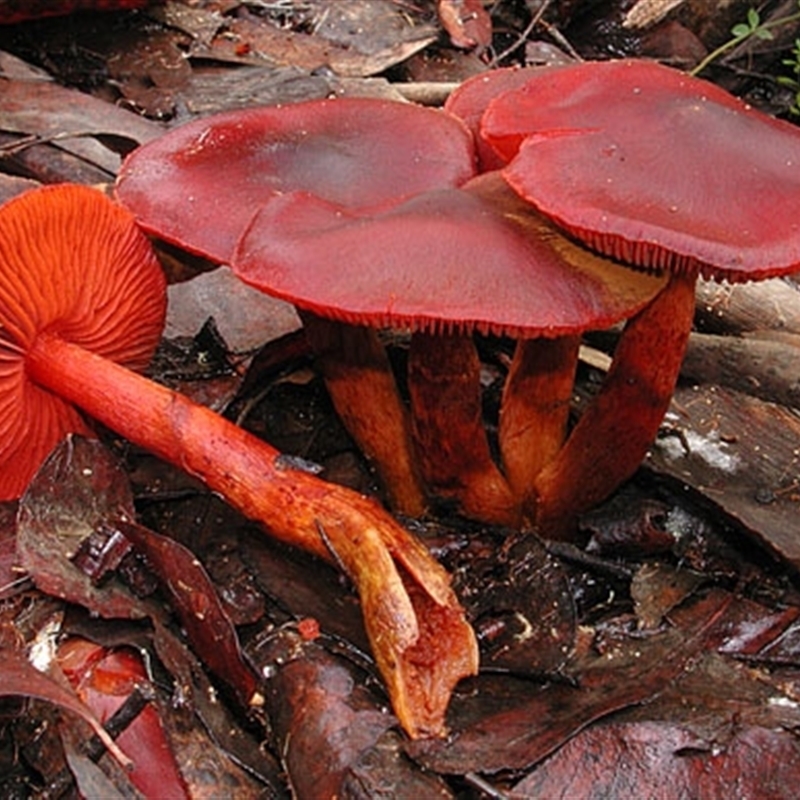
23 143
426 93
523 37
484 786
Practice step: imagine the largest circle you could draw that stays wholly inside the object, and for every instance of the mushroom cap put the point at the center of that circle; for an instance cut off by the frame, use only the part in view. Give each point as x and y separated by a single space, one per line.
469 102
655 168
198 186
477 258
73 264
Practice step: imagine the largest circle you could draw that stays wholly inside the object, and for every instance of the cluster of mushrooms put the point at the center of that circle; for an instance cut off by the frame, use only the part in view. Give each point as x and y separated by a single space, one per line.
539 204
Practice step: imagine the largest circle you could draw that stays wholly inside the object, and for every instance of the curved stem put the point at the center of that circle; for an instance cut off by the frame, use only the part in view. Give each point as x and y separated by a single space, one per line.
447 418
294 506
535 408
364 393
612 437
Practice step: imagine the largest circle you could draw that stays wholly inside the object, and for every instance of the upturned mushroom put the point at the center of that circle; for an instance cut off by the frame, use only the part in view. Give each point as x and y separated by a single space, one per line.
81 290
658 170
360 154
445 264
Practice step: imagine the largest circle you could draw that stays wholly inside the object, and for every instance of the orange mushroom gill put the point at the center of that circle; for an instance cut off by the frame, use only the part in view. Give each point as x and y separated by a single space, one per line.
79 287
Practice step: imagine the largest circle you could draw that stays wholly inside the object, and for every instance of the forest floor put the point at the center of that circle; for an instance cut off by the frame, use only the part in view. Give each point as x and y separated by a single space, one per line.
659 657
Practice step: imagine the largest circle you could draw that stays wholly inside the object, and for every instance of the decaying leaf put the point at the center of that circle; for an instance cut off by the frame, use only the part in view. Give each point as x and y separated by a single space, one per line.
334 732
78 488
18 677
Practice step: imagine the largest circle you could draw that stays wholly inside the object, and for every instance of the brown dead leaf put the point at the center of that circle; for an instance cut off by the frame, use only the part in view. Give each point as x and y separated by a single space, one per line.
658 588
467 23
246 318
641 759
350 39
332 729
78 487
525 732
19 678
13 11
90 129
198 607
742 454
11 186
149 71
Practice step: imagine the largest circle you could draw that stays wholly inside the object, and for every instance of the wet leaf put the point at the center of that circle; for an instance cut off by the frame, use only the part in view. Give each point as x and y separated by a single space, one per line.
641 759
526 732
467 22
785 648
350 39
78 487
205 767
197 605
519 600
742 455
105 679
19 678
658 588
759 633
332 728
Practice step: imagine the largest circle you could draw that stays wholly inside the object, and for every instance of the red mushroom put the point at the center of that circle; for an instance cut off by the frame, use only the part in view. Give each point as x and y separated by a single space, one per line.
659 170
198 187
455 457
469 101
81 289
444 264
654 167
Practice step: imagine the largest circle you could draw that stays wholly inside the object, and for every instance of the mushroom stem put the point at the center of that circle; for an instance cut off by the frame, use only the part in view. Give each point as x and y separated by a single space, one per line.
612 437
447 418
364 393
328 520
534 411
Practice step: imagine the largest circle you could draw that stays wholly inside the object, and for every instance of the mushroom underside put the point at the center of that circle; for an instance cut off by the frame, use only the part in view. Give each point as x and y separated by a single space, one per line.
78 276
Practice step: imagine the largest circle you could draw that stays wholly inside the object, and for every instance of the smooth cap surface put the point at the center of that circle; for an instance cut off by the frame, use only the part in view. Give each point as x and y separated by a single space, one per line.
654 167
469 102
199 185
477 258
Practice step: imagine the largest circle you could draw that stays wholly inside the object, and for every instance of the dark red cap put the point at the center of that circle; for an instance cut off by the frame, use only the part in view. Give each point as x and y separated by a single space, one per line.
477 258
655 168
199 185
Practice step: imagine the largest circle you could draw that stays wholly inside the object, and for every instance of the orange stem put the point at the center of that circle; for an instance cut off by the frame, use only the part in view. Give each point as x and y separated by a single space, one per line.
325 519
447 417
612 437
534 411
364 393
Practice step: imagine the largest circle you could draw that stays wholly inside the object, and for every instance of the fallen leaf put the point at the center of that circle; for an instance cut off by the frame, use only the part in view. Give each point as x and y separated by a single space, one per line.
467 23
641 759
78 487
18 677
